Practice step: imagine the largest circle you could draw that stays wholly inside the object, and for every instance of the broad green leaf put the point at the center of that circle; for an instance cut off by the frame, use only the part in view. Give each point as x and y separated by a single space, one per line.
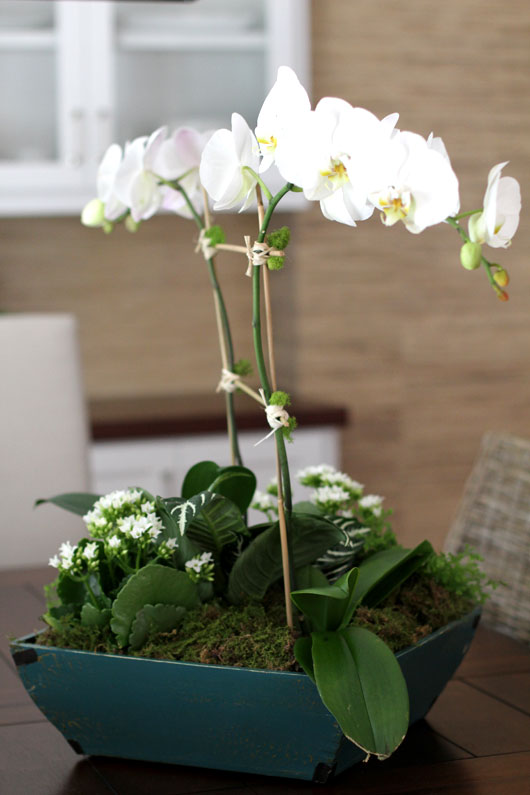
92 617
154 618
385 571
186 549
75 502
303 655
328 607
237 483
199 478
185 512
310 577
152 585
55 613
260 564
70 591
304 506
219 524
360 682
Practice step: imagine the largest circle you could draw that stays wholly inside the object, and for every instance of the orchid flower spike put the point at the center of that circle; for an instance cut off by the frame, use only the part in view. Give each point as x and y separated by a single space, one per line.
135 183
224 163
497 223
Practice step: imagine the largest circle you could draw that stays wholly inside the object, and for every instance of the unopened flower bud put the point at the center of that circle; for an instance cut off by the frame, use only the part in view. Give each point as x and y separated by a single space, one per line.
502 295
93 213
107 227
501 277
130 224
470 255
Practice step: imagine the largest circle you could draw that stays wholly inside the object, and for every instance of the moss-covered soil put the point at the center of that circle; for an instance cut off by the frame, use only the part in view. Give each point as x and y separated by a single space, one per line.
255 635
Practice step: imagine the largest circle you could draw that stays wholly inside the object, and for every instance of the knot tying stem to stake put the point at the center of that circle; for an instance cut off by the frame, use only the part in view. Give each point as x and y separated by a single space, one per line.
204 245
228 382
259 253
277 417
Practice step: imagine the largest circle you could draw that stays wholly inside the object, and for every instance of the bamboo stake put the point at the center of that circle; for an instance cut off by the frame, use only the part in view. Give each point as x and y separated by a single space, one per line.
272 369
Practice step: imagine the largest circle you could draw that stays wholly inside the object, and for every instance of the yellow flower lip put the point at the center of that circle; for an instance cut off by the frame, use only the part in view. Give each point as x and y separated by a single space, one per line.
337 172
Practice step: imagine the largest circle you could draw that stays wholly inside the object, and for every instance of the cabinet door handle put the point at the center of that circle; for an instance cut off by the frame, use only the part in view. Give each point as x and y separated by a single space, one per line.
75 158
103 131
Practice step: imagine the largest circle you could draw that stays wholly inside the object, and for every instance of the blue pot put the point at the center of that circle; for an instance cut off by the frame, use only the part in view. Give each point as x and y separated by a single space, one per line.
239 719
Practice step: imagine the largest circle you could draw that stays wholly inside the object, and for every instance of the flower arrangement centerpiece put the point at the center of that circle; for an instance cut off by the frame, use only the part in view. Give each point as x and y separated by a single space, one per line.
154 573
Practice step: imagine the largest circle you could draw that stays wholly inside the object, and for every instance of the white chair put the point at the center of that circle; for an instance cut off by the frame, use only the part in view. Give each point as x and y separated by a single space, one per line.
43 435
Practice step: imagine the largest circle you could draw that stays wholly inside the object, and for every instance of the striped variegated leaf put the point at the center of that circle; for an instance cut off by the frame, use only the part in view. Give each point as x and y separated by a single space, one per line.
187 511
220 524
339 559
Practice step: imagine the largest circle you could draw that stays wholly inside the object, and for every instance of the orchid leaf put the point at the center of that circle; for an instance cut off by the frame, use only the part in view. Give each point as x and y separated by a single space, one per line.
199 478
328 607
385 571
237 483
360 681
303 655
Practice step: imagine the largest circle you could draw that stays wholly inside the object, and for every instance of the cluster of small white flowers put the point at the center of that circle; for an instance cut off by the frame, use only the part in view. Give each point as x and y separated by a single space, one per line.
65 557
330 497
263 502
372 503
312 476
336 478
135 527
200 568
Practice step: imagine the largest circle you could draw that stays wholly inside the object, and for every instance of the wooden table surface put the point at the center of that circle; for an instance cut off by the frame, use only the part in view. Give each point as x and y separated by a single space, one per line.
475 740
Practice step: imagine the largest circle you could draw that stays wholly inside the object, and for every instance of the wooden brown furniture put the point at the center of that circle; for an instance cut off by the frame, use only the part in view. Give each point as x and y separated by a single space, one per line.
475 740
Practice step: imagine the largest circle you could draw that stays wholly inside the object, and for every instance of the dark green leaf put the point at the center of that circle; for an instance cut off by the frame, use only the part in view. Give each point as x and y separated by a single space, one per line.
185 512
360 682
310 577
304 506
154 618
75 502
151 585
92 617
303 655
70 591
199 478
328 607
260 564
385 571
237 483
219 524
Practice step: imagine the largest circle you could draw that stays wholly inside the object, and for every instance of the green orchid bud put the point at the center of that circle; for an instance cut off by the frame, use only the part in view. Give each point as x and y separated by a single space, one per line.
470 255
130 224
501 277
93 213
107 227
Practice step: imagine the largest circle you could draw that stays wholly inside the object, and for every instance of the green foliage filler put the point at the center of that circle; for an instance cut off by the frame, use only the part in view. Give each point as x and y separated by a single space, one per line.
242 367
461 574
279 238
215 235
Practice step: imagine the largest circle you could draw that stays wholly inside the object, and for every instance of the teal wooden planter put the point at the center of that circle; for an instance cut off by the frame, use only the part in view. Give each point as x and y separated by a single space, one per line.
239 719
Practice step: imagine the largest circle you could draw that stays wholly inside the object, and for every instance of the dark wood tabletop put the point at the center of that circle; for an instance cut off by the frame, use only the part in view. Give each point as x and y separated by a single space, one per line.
475 740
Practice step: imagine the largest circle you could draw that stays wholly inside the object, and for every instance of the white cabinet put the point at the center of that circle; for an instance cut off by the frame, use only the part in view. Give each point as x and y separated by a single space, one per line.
76 76
159 465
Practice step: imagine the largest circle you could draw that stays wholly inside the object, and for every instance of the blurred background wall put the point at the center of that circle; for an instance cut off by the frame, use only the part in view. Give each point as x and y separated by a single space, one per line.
384 322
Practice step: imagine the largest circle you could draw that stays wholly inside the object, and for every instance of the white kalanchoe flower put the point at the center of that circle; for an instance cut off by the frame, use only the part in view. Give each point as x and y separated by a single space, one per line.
147 507
114 542
498 222
54 561
343 480
421 188
90 551
373 503
263 502
171 543
328 496
206 557
286 99
223 166
314 475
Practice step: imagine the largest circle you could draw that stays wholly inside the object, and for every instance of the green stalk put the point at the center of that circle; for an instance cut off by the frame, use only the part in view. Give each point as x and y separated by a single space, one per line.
229 397
91 593
262 370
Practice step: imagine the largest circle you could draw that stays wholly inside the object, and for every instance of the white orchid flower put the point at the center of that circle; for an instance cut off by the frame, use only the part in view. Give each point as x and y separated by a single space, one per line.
106 179
135 183
335 154
421 188
286 99
178 158
223 165
498 222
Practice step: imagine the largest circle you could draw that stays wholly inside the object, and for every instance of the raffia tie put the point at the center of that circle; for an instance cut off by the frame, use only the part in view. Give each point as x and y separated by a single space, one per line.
277 417
259 253
204 245
228 382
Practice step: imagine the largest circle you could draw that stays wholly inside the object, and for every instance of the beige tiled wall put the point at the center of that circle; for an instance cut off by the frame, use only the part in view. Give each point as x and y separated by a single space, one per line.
384 321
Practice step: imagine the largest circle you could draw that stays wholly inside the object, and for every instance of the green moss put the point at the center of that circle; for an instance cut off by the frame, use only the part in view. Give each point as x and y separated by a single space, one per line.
255 635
